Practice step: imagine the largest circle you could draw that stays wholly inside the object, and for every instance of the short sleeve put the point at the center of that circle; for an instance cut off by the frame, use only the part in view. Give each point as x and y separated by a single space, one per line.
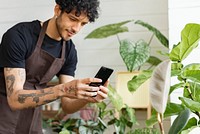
13 50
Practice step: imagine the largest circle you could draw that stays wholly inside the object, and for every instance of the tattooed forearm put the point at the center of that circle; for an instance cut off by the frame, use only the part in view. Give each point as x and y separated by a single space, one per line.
35 97
10 82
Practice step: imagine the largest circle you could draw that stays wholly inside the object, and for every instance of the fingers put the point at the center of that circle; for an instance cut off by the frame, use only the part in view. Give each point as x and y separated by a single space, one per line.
85 93
89 94
103 92
89 80
81 90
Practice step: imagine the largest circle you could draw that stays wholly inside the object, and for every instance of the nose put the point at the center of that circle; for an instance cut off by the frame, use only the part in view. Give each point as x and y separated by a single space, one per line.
76 27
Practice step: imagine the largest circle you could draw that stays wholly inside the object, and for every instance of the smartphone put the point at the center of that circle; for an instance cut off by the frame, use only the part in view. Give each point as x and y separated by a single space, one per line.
104 73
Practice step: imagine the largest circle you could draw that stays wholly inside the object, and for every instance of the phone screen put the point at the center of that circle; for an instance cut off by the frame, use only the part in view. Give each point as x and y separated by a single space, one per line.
103 74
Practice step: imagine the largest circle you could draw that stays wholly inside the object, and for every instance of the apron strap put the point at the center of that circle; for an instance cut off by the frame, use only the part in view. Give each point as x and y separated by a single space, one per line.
42 33
41 38
63 50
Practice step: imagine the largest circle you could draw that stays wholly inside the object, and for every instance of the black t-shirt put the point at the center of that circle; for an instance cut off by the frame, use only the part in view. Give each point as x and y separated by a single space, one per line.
19 42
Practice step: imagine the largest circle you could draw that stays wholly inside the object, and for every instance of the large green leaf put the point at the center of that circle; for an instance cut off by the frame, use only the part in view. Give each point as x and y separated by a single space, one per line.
176 86
190 36
154 60
129 115
180 122
194 91
108 30
157 33
192 122
192 72
134 54
115 98
138 80
192 105
176 69
171 109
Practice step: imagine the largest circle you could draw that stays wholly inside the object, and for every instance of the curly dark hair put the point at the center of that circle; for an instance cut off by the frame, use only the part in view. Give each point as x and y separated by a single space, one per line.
90 7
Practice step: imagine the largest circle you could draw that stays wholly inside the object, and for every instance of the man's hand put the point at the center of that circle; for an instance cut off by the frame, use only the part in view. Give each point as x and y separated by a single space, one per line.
80 89
102 94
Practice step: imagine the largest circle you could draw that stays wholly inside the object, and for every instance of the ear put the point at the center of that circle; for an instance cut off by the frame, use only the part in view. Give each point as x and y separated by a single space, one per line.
57 10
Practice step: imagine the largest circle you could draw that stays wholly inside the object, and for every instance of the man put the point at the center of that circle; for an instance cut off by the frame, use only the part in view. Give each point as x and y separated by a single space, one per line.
31 53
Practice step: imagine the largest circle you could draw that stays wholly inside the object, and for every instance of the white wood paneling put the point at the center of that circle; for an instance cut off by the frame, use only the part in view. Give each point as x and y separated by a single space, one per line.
105 51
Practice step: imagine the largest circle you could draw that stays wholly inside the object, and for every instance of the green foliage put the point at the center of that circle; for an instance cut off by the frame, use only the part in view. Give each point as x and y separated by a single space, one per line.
137 81
144 131
163 40
188 80
190 36
113 96
76 125
133 53
108 30
126 119
180 122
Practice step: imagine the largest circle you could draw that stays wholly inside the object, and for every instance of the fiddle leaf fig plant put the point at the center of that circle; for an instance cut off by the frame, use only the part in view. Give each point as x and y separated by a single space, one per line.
188 80
133 53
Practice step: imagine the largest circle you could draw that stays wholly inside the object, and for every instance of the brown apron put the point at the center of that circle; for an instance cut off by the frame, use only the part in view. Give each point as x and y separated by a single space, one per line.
40 67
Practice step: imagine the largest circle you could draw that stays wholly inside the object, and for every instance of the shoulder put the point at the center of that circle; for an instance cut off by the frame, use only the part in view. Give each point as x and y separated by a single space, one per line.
17 43
24 29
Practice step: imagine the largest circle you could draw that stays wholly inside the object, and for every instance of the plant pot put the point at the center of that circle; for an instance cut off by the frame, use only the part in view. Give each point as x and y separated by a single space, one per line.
140 98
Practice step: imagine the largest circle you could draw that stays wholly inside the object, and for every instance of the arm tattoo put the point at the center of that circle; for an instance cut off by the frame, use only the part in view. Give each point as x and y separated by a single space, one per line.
10 82
36 97
21 75
72 90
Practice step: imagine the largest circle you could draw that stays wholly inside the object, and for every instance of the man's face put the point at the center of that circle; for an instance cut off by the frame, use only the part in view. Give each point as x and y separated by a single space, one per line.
69 24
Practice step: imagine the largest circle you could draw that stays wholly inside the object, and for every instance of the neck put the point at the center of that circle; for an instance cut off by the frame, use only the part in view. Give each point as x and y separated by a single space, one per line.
52 30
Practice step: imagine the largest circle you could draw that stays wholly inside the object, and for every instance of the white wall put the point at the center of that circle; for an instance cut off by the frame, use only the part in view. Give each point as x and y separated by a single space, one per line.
14 11
93 53
97 52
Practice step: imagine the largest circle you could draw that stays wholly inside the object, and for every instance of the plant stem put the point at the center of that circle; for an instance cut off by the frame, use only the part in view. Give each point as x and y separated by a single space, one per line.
190 94
151 39
160 118
118 38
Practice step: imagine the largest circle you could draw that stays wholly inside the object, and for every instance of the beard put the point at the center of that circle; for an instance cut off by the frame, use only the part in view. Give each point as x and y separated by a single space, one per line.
60 29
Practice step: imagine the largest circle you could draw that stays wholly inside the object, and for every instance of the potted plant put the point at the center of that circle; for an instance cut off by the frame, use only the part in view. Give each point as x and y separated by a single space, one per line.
125 118
134 54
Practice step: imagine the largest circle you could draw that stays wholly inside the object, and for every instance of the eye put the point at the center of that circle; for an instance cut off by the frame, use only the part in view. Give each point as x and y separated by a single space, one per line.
83 24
